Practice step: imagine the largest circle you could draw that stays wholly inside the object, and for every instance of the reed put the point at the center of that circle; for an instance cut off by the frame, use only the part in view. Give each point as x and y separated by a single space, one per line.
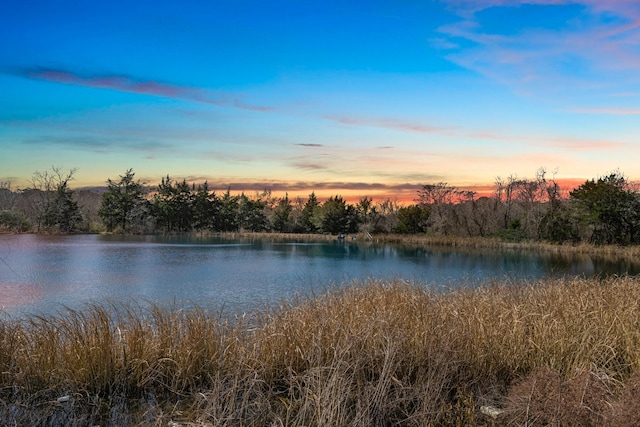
558 351
630 252
497 243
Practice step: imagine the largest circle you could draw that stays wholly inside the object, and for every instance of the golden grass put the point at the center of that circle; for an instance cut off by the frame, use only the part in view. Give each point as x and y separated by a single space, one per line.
561 351
497 243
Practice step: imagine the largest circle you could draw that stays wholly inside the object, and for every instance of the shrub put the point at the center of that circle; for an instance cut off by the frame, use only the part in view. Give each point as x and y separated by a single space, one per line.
13 221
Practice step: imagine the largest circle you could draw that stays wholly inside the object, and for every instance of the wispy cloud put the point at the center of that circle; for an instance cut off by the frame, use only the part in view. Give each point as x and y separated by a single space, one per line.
127 83
308 166
401 191
580 144
610 111
595 48
360 161
568 143
101 135
391 124
622 7
558 142
352 191
442 43
103 144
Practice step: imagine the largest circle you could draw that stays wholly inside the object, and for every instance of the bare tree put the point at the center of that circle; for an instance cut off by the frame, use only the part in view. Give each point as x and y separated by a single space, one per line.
7 197
532 195
440 198
505 196
49 199
387 218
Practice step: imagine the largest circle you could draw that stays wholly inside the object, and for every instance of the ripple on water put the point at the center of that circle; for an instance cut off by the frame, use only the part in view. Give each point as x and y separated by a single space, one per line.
19 294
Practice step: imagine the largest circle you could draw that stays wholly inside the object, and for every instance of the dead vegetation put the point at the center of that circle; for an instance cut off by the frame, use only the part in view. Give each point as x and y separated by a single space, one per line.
555 352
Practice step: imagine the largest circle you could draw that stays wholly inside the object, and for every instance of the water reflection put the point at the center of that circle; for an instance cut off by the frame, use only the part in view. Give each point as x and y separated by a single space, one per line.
41 273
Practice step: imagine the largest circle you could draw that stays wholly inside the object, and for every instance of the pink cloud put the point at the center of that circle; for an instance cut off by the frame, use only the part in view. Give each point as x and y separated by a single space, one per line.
390 124
553 141
568 143
352 191
579 144
467 8
124 83
115 82
626 7
587 53
612 111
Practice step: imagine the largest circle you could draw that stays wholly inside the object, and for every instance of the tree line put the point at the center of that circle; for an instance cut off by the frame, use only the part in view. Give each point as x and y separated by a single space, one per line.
176 206
605 210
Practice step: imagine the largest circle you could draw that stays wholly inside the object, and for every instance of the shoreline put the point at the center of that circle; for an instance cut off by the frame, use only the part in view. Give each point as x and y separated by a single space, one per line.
401 239
440 241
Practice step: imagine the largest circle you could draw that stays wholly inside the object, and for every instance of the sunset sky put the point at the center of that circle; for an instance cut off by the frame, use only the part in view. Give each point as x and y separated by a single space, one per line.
338 97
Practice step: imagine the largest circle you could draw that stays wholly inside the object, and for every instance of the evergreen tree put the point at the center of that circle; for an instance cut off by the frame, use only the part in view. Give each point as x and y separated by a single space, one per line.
609 209
412 219
206 207
173 205
308 216
227 220
124 204
335 218
282 216
251 216
63 212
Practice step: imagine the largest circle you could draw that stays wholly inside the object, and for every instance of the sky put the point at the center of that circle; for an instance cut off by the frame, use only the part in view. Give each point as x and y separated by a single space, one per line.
352 98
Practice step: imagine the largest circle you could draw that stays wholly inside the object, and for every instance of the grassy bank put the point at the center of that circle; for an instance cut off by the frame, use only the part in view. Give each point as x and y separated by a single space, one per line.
562 352
422 240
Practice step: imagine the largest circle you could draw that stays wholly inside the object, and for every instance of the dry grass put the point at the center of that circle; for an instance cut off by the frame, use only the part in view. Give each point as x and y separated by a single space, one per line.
627 253
562 352
497 243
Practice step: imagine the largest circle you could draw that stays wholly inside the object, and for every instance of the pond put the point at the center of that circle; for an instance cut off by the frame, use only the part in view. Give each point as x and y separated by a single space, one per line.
43 274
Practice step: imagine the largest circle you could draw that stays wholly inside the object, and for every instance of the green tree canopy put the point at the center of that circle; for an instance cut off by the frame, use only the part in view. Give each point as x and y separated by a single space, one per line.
609 208
412 219
124 203
338 217
173 205
206 207
251 216
309 214
282 222
63 212
227 219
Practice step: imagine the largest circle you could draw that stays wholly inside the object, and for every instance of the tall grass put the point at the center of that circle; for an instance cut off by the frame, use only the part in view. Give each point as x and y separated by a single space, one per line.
617 252
561 351
497 243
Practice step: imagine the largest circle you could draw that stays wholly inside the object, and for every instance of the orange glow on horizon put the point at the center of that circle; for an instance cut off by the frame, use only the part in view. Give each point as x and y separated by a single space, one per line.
402 194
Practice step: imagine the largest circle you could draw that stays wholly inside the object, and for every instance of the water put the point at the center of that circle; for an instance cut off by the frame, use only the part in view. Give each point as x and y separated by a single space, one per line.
42 274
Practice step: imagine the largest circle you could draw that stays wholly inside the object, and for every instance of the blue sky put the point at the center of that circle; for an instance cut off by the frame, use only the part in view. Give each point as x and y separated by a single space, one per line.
353 98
